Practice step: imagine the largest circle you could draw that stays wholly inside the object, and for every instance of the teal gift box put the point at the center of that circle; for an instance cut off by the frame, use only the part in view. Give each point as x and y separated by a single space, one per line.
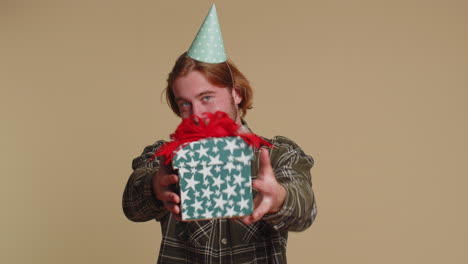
215 178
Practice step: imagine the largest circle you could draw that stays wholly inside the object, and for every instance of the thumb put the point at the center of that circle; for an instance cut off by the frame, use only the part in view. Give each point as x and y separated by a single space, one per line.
163 167
265 164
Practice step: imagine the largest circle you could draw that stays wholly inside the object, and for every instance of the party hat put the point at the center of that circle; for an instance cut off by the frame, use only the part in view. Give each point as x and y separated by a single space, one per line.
208 44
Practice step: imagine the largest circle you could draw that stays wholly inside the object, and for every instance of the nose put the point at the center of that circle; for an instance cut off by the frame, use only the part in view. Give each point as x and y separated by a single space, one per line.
198 109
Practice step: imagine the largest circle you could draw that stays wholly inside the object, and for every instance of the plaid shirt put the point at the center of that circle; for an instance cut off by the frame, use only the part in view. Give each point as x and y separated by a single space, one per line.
227 240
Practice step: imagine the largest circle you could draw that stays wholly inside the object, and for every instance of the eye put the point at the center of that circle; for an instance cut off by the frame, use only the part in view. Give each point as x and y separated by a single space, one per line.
206 98
184 104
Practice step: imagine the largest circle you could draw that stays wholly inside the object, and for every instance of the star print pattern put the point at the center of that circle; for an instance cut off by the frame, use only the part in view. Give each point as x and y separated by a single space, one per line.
215 178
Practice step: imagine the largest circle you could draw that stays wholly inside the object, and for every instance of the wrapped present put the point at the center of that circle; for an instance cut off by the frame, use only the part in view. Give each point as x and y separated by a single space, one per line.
215 178
212 155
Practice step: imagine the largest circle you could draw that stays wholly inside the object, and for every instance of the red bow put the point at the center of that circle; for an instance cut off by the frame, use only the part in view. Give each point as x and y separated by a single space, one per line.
211 125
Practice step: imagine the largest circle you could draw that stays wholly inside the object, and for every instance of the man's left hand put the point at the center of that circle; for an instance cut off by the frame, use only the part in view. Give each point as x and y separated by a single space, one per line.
270 194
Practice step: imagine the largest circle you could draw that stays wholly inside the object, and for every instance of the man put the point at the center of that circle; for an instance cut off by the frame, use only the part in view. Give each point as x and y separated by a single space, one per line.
284 199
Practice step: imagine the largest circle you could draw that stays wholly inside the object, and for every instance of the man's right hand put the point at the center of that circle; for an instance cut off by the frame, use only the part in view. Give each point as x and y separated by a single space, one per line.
162 181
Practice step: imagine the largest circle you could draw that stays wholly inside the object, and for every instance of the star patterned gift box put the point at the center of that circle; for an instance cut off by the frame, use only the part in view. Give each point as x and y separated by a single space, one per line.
215 178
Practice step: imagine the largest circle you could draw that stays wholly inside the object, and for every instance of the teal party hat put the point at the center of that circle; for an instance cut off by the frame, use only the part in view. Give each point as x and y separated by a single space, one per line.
208 44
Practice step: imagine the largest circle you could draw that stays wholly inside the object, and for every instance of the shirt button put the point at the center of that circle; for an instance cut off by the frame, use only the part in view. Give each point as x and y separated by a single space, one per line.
224 241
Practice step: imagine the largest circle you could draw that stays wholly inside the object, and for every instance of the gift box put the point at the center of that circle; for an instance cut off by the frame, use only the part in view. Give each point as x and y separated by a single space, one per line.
215 178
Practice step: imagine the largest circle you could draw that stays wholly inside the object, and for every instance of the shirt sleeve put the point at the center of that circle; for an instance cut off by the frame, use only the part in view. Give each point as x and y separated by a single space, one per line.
139 202
291 167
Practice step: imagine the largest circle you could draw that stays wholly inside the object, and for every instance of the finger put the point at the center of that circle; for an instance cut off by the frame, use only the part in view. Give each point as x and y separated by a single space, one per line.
260 211
162 164
261 186
167 180
165 168
257 200
265 164
256 214
172 207
257 184
177 217
246 220
168 196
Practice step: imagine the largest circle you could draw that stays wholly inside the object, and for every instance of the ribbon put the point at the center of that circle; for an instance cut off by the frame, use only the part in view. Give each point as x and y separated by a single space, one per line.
211 125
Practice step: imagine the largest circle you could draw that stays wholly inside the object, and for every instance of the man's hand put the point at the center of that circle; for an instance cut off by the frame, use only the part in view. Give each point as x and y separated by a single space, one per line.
162 180
270 194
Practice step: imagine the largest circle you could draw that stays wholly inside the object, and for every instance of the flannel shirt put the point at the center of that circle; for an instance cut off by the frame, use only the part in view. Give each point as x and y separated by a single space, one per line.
227 240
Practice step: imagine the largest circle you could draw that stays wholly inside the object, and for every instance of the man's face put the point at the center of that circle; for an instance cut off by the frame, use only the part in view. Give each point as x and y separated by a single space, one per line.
195 95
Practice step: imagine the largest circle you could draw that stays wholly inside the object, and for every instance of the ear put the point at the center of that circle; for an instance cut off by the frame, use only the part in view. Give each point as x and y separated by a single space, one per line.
236 95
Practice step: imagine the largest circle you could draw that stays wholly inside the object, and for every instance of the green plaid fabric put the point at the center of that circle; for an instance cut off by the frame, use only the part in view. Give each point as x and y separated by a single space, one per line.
227 240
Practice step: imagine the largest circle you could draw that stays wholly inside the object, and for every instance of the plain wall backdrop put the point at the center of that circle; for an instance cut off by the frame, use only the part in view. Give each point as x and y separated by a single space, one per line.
375 91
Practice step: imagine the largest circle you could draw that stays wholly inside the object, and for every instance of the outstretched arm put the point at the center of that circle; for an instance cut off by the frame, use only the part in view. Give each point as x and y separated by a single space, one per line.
284 189
147 194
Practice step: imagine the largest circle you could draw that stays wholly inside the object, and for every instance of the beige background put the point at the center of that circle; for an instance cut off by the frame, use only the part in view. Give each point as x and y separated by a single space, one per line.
375 91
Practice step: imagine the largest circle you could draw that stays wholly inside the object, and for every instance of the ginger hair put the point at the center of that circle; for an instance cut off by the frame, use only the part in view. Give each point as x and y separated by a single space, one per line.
224 74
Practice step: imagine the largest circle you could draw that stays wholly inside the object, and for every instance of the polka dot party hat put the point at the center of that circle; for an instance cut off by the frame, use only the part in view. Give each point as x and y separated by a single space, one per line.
208 44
